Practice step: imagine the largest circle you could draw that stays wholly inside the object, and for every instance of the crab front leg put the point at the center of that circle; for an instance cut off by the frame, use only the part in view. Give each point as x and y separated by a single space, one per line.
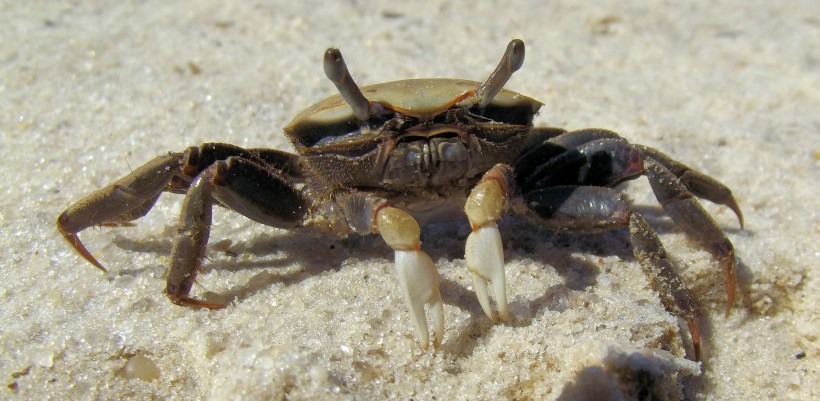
484 252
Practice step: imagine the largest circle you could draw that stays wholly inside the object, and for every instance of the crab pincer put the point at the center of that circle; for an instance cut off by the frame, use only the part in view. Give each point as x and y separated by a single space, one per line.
417 273
484 252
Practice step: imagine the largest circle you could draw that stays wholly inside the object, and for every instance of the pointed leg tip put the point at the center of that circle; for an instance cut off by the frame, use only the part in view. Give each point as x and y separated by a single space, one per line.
436 341
730 300
694 332
738 213
731 282
74 240
195 303
422 335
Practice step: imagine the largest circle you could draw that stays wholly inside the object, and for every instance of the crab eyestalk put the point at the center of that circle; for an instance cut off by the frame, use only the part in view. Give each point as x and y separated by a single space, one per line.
336 70
511 61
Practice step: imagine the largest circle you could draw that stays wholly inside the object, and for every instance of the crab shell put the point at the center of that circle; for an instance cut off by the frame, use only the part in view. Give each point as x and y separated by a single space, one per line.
420 99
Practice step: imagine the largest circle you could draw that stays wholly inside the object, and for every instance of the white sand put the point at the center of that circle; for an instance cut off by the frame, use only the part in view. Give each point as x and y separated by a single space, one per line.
89 91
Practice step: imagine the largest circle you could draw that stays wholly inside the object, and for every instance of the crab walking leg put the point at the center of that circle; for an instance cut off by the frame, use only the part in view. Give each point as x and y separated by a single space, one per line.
484 252
417 273
256 191
600 162
659 269
133 196
588 208
196 159
190 242
126 199
689 215
700 184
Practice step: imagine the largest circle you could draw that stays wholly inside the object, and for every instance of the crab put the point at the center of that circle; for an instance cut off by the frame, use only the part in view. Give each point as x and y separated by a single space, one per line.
386 158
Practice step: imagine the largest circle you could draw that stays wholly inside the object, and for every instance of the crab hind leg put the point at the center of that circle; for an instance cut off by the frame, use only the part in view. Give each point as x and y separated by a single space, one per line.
590 208
601 158
254 190
126 199
688 214
650 253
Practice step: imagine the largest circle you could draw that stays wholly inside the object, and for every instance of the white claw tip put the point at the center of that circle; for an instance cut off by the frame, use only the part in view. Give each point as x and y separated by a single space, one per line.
484 255
419 282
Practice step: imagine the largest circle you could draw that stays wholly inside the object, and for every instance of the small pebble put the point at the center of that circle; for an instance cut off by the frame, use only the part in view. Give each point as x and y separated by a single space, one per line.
140 367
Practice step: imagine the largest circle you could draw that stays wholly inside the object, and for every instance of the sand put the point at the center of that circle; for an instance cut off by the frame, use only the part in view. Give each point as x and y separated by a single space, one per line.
89 90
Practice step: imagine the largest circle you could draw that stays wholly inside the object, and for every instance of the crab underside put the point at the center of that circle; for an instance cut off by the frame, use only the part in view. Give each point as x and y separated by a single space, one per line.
381 159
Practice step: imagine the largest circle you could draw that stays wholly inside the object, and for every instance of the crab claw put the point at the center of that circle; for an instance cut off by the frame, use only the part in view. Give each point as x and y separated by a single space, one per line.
484 255
484 252
419 281
417 273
